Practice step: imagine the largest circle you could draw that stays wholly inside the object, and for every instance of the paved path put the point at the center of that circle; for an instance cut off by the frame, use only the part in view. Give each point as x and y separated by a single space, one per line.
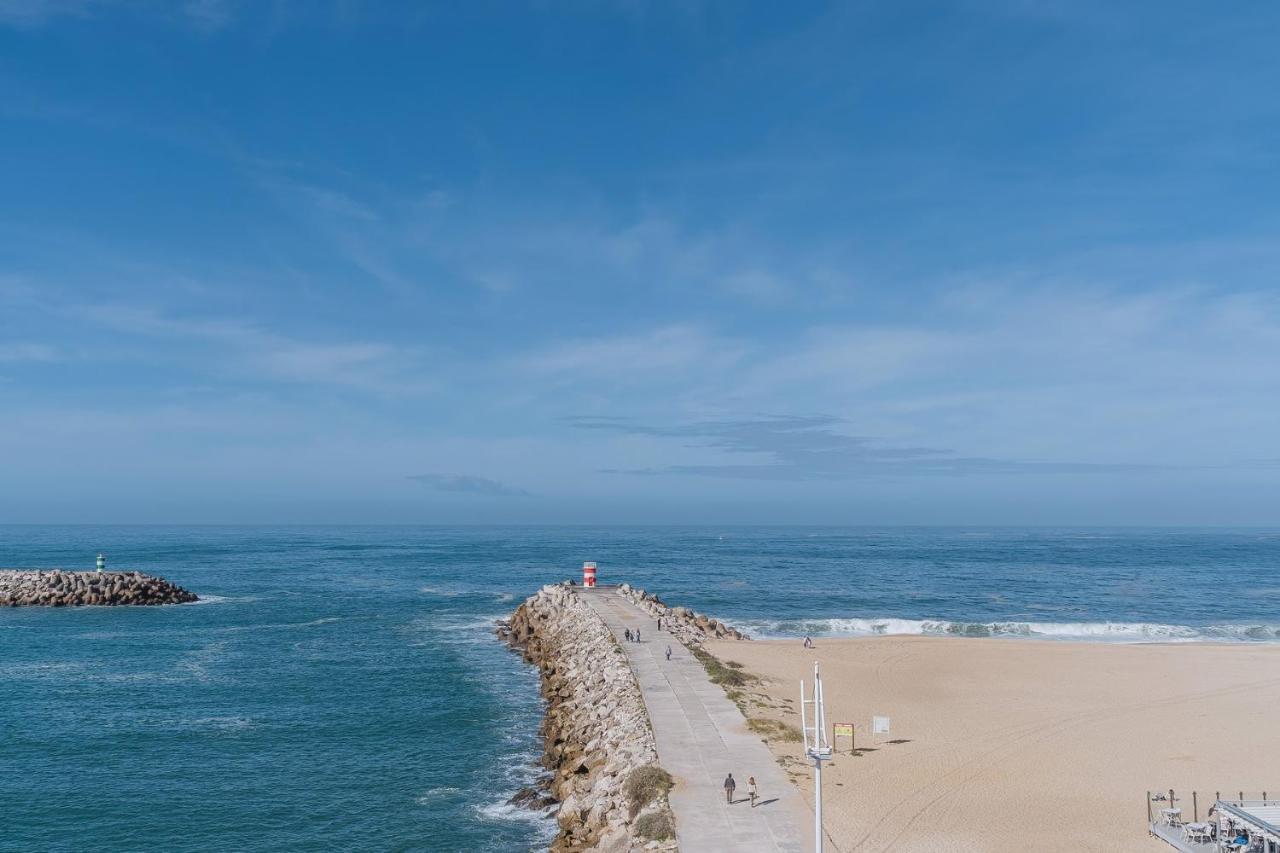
702 736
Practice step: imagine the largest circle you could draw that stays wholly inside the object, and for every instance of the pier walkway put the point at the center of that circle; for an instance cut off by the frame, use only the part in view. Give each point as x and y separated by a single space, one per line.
701 737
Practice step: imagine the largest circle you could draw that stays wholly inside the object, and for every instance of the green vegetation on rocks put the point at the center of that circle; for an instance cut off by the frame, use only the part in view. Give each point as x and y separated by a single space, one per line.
656 826
645 785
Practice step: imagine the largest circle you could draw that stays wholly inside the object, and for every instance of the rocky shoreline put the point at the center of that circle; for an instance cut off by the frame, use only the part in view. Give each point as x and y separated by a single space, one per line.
599 745
56 588
689 626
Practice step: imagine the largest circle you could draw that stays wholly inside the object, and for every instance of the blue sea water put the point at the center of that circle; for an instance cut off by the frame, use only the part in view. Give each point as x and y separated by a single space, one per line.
340 688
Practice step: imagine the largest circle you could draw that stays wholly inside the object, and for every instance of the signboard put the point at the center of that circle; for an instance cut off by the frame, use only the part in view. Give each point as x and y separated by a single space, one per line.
843 730
879 725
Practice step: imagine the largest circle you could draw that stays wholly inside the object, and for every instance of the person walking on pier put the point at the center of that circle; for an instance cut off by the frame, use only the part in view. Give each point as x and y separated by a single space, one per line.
751 790
668 653
729 787
628 633
637 635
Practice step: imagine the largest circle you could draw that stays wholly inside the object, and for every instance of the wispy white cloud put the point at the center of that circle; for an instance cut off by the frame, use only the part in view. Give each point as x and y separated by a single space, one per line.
209 15
32 13
206 15
368 366
19 351
663 354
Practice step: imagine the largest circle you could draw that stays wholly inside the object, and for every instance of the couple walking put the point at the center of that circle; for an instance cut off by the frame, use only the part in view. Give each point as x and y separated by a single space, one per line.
730 786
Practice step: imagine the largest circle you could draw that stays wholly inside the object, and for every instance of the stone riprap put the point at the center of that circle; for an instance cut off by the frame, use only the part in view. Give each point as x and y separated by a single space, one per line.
56 588
688 626
596 729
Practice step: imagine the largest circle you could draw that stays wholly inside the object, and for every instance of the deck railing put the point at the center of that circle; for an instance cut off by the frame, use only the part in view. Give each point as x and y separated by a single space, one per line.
1201 801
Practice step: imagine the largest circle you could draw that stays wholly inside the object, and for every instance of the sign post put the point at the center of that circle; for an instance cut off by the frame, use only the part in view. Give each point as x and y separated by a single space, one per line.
840 730
879 726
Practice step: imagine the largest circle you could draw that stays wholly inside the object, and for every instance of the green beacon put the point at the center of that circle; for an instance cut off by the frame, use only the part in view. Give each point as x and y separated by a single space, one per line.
102 563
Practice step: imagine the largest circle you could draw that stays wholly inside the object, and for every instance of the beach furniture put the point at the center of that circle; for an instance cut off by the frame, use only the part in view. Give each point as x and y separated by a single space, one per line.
1241 825
1201 833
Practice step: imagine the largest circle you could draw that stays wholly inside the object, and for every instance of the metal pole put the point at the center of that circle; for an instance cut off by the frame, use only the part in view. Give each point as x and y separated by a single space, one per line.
820 731
817 805
1148 807
1195 807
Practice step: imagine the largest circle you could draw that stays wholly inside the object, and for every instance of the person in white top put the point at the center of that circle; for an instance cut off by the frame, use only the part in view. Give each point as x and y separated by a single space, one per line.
751 790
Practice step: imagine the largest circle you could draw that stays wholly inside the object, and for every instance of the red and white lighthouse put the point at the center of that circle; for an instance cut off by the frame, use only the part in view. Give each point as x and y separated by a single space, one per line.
588 575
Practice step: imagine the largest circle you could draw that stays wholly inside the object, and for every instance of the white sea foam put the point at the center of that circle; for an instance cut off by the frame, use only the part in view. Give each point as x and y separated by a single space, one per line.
225 724
1131 632
455 592
453 629
504 811
433 794
206 599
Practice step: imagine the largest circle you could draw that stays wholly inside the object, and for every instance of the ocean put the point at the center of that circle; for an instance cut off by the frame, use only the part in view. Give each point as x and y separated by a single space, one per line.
340 688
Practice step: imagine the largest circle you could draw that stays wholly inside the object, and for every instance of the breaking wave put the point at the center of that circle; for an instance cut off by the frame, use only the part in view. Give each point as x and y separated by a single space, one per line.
1130 632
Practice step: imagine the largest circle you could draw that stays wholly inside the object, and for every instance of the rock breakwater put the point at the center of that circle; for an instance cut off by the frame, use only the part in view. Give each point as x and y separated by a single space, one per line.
56 588
689 626
599 745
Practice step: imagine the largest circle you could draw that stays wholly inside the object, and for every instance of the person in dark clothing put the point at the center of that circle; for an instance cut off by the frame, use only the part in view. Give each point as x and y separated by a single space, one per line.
628 633
729 787
637 635
668 653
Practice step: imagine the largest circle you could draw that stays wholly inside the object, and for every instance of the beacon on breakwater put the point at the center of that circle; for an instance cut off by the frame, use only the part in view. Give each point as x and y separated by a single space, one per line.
589 575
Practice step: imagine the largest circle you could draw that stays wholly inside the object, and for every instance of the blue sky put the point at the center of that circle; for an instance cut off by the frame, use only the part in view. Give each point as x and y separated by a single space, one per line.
1002 262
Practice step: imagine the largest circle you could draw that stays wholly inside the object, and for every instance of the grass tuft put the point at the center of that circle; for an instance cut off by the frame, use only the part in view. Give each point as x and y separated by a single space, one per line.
656 826
775 730
720 673
644 785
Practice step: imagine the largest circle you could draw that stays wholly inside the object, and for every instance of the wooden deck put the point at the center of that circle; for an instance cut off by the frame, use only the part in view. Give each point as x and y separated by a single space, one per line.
1172 835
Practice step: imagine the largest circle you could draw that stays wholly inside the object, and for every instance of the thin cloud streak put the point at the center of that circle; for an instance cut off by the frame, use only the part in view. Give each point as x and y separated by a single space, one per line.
797 448
469 484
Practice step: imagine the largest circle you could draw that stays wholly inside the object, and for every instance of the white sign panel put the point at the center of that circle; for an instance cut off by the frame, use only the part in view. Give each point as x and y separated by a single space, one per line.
879 725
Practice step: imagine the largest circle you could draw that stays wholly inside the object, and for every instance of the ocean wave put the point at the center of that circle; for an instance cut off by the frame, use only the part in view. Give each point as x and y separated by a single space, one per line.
507 812
224 724
274 626
500 596
433 794
453 630
459 622
1132 632
228 723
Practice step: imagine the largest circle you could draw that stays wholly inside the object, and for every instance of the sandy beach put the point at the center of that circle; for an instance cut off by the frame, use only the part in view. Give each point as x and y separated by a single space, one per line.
1013 745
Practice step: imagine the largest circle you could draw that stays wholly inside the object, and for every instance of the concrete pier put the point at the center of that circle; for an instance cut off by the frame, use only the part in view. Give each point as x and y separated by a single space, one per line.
701 736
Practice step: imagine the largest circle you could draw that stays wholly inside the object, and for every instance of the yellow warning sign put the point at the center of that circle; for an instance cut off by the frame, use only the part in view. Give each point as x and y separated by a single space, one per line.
844 730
